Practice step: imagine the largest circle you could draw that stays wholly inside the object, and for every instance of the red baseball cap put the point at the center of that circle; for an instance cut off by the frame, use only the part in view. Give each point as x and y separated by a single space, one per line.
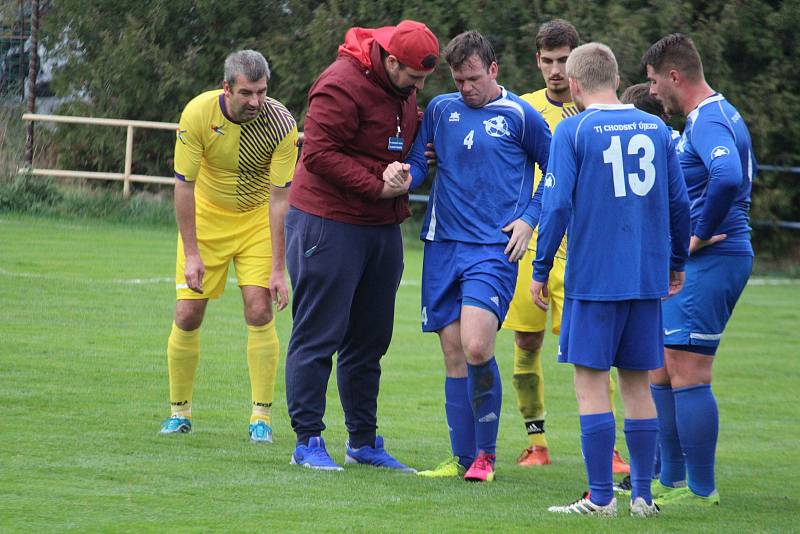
413 43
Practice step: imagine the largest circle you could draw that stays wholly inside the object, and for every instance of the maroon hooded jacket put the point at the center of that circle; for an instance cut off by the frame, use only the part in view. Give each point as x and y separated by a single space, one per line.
353 110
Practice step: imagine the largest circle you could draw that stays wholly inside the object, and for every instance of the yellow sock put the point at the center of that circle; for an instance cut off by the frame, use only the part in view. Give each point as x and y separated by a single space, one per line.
612 390
263 351
183 353
528 381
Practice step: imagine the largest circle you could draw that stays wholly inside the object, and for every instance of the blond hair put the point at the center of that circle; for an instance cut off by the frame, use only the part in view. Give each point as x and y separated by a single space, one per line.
594 66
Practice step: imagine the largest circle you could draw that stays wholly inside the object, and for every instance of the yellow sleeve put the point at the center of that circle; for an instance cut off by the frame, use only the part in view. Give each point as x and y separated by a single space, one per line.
284 158
188 145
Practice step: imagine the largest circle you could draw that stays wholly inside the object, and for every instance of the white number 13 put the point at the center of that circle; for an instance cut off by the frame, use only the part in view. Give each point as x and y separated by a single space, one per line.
613 155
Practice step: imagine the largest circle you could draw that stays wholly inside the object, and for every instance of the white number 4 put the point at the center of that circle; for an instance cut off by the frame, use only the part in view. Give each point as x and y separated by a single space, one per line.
613 155
468 139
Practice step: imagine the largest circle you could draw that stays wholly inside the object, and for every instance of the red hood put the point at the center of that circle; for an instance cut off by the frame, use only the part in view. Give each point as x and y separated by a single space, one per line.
358 44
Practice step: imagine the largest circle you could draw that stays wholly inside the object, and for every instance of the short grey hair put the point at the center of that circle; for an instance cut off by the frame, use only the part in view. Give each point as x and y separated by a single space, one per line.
594 66
249 63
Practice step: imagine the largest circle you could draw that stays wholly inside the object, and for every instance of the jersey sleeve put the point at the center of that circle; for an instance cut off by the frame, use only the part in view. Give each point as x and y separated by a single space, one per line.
188 145
416 157
284 158
679 219
536 143
716 146
558 190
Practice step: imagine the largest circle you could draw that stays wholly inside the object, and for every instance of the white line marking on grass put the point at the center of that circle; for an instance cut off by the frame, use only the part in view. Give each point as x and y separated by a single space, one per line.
762 281
136 281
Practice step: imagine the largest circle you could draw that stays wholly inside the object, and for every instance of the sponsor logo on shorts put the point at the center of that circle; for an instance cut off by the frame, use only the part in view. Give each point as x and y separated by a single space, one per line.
488 418
496 300
670 332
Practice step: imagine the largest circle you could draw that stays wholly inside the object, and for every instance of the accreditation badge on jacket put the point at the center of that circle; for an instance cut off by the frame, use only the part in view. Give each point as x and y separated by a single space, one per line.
395 144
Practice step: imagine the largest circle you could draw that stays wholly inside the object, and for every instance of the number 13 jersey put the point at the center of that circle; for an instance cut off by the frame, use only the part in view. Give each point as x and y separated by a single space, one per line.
614 180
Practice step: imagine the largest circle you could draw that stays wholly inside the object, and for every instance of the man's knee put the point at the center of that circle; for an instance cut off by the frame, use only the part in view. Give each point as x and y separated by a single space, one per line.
189 314
478 349
529 341
258 312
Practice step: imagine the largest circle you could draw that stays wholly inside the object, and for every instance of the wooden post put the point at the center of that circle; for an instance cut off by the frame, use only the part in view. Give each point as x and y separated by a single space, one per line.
33 70
126 187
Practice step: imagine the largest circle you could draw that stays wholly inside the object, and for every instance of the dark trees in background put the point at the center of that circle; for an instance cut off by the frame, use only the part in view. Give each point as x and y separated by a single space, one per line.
145 59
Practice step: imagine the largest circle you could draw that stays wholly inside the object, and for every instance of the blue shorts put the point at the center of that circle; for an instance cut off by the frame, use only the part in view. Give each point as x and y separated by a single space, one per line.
698 314
599 334
455 273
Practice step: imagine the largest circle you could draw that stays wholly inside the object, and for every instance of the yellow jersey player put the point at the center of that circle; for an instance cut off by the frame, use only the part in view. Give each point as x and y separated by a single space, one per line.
554 42
235 154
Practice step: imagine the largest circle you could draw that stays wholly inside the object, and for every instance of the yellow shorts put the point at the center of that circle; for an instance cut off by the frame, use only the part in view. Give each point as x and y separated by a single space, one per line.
523 315
222 236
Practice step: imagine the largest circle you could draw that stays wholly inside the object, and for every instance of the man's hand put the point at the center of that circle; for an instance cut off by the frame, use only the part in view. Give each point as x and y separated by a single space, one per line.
540 294
193 271
396 174
389 191
521 233
278 289
695 243
676 280
430 155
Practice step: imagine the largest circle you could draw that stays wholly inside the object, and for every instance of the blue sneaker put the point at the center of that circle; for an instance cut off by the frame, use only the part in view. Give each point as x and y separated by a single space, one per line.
176 425
375 456
314 456
260 432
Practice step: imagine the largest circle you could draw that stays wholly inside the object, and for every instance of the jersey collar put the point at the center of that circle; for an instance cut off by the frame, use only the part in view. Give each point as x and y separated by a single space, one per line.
716 97
611 106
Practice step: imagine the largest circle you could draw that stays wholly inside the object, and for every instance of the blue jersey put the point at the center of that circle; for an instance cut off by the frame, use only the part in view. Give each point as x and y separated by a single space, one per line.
615 181
718 164
484 169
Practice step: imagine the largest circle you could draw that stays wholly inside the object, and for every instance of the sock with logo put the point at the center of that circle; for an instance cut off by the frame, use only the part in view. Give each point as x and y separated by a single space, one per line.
597 441
460 422
528 382
673 467
697 420
641 436
183 353
486 398
263 351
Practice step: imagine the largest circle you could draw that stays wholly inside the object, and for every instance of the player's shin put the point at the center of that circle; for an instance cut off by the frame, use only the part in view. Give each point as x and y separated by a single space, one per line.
641 435
486 397
183 353
460 422
263 351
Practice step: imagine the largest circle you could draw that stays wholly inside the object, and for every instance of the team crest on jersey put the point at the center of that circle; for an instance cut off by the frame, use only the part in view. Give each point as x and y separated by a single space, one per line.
496 126
549 180
217 129
719 151
455 117
179 134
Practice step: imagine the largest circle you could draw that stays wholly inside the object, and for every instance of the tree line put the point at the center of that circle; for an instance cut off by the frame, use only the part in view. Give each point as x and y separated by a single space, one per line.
144 59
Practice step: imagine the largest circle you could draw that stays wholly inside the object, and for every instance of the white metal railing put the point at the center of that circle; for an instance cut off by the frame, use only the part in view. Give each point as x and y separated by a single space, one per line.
126 177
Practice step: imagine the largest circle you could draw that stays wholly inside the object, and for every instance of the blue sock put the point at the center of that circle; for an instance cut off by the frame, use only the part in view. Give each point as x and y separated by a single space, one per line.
486 398
641 436
597 441
657 466
698 425
459 420
673 468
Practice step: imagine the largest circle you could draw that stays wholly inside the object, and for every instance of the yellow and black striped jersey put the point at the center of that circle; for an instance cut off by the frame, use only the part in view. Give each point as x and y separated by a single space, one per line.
553 113
233 164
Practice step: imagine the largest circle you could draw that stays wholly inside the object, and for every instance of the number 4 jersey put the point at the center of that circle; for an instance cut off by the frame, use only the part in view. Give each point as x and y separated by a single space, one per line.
484 169
614 180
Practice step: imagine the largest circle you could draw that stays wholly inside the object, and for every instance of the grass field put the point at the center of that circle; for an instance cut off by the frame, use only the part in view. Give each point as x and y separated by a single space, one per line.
85 311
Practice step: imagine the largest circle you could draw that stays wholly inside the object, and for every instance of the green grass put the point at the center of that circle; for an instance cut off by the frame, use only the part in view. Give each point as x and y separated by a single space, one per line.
83 388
